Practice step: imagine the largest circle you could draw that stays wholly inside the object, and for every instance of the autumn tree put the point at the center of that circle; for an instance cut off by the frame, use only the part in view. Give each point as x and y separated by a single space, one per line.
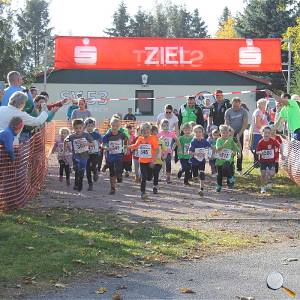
227 30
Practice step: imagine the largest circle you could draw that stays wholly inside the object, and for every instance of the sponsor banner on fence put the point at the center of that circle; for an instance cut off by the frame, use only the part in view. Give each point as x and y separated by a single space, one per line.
120 53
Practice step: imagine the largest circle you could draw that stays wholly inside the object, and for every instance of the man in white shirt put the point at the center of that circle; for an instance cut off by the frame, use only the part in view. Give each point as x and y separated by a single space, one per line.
16 103
169 115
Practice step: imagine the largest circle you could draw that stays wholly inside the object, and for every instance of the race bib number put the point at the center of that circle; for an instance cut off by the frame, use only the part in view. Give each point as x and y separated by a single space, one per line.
145 151
115 147
225 154
267 154
80 145
94 148
201 153
186 149
168 141
60 149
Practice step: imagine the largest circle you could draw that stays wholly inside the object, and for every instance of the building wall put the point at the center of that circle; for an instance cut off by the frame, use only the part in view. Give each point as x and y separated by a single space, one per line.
106 109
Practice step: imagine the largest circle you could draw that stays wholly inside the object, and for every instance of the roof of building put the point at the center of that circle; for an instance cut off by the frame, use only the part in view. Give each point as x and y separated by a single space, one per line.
156 77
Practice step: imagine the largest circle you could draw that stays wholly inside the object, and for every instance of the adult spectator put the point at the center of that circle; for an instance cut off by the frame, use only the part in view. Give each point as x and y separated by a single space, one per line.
15 107
237 118
296 98
81 112
218 109
259 120
15 82
130 116
170 116
33 91
71 108
206 106
290 113
190 112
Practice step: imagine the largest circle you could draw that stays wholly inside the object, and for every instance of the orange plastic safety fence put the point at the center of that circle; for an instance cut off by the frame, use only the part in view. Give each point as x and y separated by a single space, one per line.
291 164
23 179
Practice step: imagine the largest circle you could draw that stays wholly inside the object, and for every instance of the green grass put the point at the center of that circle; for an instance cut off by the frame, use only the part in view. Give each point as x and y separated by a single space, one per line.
53 244
283 186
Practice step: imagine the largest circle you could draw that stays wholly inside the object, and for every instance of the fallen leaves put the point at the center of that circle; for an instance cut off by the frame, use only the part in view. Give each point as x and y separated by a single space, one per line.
29 280
186 291
29 248
79 261
91 243
116 296
245 298
60 285
101 290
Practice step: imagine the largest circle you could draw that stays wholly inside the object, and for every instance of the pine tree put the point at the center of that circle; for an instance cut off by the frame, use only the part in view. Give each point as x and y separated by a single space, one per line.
198 28
224 17
268 18
33 27
120 22
8 47
160 22
141 24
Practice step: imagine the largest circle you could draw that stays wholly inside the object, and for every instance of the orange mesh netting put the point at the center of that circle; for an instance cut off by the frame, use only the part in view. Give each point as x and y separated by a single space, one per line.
291 151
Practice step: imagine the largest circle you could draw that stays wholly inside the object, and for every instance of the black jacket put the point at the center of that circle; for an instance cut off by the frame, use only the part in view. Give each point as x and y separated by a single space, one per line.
219 115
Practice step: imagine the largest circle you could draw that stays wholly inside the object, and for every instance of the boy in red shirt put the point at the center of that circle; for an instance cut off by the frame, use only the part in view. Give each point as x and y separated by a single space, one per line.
266 149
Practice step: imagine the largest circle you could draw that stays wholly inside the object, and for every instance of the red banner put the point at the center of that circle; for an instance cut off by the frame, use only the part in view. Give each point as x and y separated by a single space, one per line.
168 54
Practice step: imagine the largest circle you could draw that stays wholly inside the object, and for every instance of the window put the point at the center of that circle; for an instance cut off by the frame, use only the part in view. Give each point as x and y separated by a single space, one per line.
144 106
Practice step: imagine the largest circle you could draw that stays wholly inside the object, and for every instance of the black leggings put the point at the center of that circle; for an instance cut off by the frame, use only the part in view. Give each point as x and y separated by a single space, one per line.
64 167
116 168
198 170
156 171
146 174
91 166
220 174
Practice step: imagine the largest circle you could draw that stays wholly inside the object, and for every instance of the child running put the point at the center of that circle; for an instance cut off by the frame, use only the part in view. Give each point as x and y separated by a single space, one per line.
64 154
127 160
266 149
115 143
162 150
199 150
135 158
94 152
168 136
214 135
278 138
148 147
226 149
183 152
80 141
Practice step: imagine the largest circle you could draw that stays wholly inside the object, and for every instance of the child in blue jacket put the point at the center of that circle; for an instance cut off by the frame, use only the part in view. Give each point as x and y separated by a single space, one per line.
7 135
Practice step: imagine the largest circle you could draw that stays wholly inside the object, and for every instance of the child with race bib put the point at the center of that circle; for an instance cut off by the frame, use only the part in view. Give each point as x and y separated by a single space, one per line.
226 149
80 142
212 139
266 149
94 152
147 146
199 150
183 152
161 154
127 160
115 142
64 154
135 158
169 137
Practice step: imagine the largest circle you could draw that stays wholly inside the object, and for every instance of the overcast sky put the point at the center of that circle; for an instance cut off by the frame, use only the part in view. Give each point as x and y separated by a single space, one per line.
91 17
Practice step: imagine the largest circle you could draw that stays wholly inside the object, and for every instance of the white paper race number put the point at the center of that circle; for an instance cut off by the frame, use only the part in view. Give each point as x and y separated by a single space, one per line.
201 153
225 154
94 148
145 151
186 149
168 141
115 147
80 145
267 154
